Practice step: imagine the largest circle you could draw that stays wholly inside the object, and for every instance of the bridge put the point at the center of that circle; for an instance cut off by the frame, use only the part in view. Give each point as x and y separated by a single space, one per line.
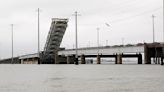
49 55
147 50
104 50
53 54
54 38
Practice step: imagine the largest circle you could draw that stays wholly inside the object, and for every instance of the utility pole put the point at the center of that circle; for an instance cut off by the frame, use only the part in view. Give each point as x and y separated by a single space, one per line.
154 59
153 28
98 40
39 36
163 24
12 60
162 56
109 27
76 37
0 51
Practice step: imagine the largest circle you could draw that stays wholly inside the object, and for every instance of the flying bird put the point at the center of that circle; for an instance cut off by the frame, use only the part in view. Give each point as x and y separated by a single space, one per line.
107 24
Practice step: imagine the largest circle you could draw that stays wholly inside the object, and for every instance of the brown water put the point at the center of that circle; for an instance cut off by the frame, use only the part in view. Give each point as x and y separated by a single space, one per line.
81 78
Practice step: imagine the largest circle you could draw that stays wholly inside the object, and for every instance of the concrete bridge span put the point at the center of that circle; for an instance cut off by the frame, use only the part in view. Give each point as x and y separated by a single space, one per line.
104 50
147 50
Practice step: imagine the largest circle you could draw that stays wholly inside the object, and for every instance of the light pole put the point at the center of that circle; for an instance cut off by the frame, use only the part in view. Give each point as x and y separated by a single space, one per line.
76 39
98 40
162 56
12 43
153 28
39 36
107 25
0 51
163 23
154 37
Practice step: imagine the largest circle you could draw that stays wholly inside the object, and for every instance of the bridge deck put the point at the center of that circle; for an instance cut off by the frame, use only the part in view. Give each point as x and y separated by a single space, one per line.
104 50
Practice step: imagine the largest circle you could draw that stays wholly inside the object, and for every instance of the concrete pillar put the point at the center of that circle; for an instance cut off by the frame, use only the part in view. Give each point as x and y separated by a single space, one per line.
68 60
98 59
83 59
147 57
116 59
119 59
140 59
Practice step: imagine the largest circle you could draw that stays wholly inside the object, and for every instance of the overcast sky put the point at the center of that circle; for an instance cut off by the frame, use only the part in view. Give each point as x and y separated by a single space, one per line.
130 22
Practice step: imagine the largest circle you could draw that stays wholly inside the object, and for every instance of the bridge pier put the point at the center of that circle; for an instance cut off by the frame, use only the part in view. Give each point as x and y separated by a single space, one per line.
119 59
98 59
116 59
68 60
83 59
140 59
147 55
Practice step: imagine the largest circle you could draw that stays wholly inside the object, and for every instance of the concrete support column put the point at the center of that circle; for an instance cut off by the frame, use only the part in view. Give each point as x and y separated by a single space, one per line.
56 61
83 59
98 59
116 59
147 57
68 60
140 59
119 59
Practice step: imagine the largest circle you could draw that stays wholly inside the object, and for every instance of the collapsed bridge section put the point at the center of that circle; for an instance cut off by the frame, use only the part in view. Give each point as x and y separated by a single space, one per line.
54 38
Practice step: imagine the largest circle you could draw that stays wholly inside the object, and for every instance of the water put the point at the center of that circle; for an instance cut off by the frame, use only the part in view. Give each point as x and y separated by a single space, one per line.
81 78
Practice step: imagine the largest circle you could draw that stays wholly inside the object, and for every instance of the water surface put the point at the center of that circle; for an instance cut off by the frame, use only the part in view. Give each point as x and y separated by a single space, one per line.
81 78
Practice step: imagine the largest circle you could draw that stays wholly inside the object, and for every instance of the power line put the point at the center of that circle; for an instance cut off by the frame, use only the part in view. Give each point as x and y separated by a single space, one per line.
123 6
133 16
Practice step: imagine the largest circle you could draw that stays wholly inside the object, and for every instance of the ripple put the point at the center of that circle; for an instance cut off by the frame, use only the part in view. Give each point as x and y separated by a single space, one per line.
57 78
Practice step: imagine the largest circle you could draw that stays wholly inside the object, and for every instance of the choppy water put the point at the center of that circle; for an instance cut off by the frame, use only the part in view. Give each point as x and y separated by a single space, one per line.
81 78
